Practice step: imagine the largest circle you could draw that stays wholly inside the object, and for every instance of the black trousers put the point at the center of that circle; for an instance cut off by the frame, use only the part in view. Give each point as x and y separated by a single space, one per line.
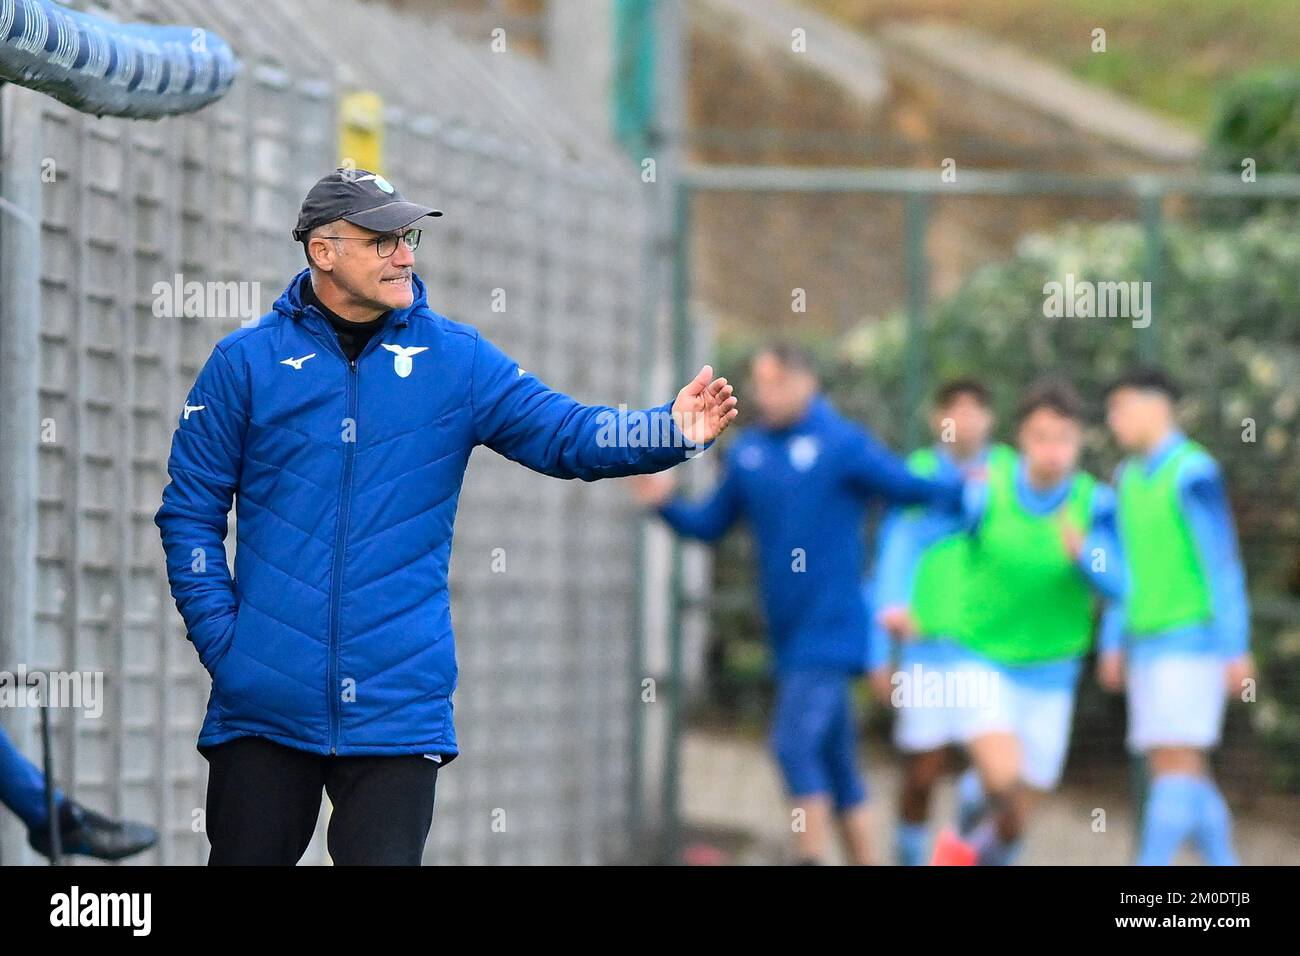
264 798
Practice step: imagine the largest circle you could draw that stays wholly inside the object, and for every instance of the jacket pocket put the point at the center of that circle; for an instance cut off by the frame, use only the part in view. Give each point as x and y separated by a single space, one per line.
221 646
229 643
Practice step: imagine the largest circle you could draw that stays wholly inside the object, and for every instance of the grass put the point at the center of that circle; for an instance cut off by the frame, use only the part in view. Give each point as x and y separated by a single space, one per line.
1169 55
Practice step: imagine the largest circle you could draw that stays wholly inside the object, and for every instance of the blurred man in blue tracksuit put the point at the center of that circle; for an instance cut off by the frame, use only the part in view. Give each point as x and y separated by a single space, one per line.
802 479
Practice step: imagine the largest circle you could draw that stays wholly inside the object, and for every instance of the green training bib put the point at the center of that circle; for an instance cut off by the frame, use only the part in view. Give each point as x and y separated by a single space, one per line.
1026 601
937 602
1167 585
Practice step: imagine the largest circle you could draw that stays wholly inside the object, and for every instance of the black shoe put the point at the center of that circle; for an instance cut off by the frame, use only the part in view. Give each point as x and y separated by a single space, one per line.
84 832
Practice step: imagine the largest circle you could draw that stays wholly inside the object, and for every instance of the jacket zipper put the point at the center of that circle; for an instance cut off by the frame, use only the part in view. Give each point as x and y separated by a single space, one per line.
340 535
340 543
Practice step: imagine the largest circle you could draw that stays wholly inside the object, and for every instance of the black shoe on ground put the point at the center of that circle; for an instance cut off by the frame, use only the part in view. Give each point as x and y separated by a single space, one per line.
87 833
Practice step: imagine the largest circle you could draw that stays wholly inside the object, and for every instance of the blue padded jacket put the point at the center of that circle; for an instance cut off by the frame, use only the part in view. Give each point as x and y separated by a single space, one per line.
334 634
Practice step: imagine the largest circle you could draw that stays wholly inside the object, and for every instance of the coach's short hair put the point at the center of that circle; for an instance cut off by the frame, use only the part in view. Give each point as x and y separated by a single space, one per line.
790 355
1054 394
1148 378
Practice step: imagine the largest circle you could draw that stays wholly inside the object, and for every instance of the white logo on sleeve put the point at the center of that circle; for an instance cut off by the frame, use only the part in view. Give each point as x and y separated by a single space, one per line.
402 364
193 408
297 362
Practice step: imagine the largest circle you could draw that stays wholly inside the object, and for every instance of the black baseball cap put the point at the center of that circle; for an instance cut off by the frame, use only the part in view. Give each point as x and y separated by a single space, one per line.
360 197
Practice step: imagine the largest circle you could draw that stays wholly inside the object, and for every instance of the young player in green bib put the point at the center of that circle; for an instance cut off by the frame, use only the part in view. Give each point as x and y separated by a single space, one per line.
1180 639
1042 548
921 565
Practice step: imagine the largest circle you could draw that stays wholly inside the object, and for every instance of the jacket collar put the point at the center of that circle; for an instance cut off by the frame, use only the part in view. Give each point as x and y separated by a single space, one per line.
292 301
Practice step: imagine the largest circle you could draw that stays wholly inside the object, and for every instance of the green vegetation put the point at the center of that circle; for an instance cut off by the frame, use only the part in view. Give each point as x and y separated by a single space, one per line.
1169 55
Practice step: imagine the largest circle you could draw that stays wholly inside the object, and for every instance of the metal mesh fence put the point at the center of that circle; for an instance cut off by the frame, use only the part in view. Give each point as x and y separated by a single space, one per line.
539 215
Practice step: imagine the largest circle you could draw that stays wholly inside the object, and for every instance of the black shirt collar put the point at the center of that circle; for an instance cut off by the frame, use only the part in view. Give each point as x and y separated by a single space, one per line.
341 324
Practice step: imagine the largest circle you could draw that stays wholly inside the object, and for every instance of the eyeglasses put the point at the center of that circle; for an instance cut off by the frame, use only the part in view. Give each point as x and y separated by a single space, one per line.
386 245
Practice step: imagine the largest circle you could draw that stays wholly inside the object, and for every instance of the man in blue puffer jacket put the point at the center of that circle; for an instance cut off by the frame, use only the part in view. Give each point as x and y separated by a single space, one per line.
341 425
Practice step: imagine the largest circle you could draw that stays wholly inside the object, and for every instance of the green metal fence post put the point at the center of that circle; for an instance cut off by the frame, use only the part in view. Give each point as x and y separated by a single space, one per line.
916 223
1151 205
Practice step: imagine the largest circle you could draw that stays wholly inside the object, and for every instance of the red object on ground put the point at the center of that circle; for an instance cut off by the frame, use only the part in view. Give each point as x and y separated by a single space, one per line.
951 850
703 854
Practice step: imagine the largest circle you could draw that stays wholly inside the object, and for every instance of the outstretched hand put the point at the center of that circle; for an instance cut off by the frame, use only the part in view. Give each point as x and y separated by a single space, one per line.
653 490
705 407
